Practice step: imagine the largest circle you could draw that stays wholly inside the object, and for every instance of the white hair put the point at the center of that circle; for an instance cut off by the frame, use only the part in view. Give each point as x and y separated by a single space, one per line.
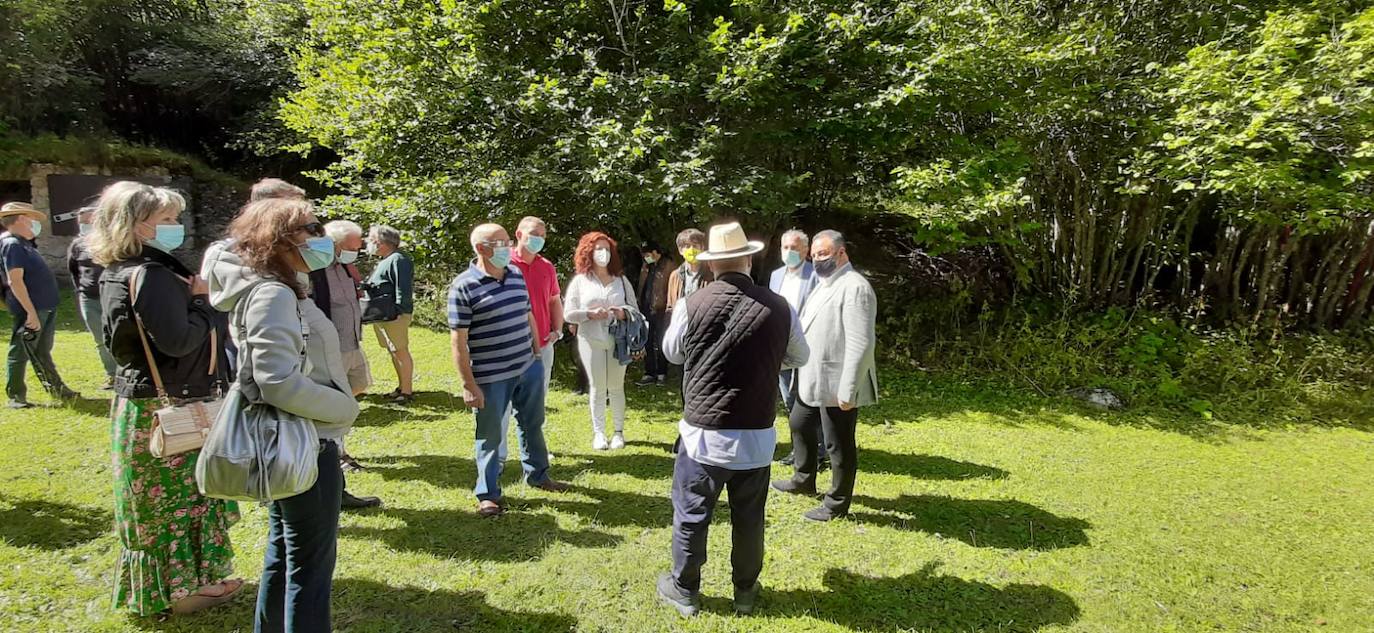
386 235
341 230
797 234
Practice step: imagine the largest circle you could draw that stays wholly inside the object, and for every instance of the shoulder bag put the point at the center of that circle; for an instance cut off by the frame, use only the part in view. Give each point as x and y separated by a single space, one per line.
255 451
379 303
176 428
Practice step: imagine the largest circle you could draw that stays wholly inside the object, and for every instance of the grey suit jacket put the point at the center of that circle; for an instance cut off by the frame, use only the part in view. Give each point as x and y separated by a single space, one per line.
839 321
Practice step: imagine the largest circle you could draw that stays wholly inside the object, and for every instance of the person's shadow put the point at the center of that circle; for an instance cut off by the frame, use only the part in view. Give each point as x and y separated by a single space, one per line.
47 525
919 601
449 533
1005 524
364 605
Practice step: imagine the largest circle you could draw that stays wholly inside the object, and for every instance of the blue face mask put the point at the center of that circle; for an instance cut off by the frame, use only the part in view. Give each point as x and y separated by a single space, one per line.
791 258
83 228
318 252
534 243
167 237
500 257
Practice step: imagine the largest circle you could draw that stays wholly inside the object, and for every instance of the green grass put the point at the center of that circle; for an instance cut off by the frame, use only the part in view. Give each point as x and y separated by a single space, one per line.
980 508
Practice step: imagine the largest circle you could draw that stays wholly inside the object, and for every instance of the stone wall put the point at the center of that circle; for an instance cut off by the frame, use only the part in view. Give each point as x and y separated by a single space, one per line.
212 206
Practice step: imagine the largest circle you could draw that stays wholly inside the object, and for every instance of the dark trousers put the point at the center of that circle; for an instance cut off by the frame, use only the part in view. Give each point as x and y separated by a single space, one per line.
807 422
298 566
787 386
38 351
655 364
696 488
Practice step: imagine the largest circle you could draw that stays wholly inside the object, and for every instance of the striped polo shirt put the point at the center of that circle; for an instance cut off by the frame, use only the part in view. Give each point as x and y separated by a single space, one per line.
496 315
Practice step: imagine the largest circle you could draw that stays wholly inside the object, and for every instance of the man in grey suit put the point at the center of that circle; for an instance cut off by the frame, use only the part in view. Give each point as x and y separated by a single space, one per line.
840 376
794 281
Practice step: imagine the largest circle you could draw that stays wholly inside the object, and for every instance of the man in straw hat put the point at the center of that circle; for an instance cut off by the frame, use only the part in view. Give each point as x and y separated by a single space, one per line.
31 297
732 337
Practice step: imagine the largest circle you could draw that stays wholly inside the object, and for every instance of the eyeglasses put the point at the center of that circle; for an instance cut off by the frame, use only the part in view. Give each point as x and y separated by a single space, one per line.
313 228
498 243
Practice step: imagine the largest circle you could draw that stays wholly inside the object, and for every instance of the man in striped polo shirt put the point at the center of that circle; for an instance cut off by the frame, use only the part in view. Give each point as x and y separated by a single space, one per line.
497 357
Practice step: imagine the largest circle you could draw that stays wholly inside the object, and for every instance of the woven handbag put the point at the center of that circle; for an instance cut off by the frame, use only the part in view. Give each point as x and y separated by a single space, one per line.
177 428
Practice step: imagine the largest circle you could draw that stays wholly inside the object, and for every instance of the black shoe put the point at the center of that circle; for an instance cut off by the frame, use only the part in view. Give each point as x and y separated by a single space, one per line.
823 514
822 465
646 381
350 465
685 603
788 460
351 502
404 398
746 599
793 488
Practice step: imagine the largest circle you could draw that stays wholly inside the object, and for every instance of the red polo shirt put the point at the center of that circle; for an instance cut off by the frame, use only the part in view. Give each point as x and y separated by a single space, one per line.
542 281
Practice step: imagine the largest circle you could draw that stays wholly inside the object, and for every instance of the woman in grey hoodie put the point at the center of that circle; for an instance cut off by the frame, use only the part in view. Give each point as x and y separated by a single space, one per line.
290 351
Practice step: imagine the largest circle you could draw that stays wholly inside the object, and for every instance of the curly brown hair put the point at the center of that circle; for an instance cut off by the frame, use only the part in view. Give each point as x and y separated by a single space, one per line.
582 258
263 233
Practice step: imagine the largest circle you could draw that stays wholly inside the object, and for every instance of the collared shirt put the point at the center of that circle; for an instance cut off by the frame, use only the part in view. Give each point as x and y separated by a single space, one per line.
692 279
344 309
542 281
495 312
17 253
733 449
792 286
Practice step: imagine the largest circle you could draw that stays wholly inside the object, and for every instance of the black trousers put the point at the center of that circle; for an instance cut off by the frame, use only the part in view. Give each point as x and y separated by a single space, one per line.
696 489
655 364
807 422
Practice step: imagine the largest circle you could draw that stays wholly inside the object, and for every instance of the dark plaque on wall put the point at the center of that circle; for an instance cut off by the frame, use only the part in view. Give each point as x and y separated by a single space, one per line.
67 193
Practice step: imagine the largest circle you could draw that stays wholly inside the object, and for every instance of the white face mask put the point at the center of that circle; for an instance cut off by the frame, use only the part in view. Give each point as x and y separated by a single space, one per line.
602 257
348 257
372 248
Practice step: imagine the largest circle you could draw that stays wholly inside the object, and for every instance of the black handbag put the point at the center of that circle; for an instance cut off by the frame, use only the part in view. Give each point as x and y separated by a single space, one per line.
379 303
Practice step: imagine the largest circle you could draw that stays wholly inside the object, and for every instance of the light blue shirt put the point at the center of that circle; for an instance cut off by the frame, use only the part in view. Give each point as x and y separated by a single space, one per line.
732 449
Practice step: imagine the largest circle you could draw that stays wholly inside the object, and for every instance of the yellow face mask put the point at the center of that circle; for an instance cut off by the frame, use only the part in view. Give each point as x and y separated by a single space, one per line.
690 255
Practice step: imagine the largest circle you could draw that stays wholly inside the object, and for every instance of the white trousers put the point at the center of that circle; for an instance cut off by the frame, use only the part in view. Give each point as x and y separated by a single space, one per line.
545 356
607 384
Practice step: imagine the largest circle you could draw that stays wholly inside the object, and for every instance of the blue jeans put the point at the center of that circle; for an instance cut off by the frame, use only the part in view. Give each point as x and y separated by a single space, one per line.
94 317
298 565
37 351
525 394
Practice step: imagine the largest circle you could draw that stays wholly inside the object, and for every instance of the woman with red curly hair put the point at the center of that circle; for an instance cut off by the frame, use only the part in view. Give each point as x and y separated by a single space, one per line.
598 294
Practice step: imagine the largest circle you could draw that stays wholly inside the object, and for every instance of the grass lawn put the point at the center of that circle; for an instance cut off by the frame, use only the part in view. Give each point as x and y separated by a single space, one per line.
979 509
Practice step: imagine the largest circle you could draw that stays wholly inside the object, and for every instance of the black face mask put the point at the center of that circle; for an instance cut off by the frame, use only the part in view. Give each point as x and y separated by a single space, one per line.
825 267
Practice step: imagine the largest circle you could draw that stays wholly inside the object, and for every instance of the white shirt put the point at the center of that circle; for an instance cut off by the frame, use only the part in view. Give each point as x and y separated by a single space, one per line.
586 293
732 449
791 286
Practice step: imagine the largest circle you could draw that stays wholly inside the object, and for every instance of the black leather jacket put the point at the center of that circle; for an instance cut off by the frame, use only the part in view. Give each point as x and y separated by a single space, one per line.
178 325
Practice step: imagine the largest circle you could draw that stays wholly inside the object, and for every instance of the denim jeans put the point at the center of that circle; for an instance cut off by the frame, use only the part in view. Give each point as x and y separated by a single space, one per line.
545 357
94 317
298 564
39 351
524 393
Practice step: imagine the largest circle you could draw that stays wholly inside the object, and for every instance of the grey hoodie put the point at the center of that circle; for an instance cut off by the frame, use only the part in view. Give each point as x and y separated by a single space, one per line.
272 321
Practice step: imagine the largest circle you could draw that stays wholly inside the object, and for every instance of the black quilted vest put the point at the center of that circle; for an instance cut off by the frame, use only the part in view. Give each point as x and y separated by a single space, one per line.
736 338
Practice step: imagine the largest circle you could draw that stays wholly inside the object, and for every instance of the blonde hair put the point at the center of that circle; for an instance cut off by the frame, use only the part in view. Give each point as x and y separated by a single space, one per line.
121 207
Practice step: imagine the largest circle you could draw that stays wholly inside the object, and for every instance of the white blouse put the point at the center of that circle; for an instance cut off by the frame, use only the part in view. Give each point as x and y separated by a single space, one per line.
586 293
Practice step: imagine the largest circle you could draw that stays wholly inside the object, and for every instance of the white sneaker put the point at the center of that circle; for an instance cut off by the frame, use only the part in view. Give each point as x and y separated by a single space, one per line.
617 441
599 442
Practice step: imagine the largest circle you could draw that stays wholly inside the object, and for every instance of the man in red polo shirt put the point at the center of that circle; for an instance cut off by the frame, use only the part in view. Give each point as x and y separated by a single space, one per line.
546 300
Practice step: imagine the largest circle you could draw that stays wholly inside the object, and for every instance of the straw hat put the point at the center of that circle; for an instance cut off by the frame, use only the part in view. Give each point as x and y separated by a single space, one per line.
12 209
728 241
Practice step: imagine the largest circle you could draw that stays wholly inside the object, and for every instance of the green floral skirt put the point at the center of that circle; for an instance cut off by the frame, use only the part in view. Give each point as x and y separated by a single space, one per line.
173 540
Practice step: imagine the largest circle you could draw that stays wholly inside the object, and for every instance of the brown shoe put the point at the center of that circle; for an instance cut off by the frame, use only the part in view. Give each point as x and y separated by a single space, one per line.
552 486
488 509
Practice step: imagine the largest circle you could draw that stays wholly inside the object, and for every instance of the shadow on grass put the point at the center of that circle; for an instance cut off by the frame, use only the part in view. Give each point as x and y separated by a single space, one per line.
1003 524
920 601
616 509
447 533
367 605
47 525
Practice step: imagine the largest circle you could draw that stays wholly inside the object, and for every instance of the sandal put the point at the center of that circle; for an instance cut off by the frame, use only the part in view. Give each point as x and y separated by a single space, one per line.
200 601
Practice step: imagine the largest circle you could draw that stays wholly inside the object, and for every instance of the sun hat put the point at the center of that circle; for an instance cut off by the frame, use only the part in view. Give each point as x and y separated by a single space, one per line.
728 241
